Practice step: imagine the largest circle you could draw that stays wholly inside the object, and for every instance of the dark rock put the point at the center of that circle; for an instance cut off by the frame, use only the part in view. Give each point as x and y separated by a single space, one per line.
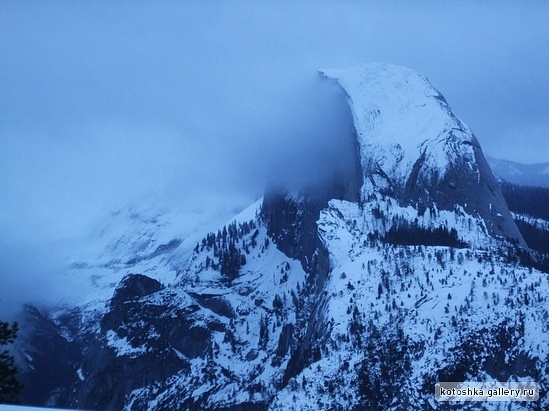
284 340
109 377
49 360
191 341
132 287
215 303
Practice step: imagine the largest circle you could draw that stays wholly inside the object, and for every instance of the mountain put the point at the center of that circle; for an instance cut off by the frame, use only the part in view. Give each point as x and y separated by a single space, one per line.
521 174
358 293
415 149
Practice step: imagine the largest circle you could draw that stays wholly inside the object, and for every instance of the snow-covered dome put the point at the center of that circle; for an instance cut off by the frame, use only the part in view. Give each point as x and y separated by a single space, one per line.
415 149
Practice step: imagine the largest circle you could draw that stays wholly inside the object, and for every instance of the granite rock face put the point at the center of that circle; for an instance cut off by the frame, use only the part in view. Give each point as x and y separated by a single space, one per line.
416 150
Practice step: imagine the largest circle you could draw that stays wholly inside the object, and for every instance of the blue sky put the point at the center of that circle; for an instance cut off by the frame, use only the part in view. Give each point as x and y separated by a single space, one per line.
102 102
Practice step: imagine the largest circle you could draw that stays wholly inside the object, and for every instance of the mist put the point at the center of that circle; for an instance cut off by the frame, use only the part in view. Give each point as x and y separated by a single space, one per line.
203 104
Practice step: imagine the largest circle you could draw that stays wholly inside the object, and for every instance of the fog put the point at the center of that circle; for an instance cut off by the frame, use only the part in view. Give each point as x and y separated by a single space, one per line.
203 104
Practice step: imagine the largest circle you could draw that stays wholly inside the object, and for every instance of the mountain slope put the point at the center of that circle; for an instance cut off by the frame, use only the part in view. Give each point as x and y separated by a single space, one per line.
361 293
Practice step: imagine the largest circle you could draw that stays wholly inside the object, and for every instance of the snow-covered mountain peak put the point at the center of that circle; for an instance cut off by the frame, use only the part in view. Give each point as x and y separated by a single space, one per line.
413 148
381 85
401 118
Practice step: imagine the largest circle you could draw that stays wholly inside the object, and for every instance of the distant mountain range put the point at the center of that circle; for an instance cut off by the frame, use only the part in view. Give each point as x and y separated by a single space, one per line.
518 173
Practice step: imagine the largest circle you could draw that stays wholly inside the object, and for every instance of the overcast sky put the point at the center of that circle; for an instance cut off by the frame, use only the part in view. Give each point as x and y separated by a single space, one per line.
102 102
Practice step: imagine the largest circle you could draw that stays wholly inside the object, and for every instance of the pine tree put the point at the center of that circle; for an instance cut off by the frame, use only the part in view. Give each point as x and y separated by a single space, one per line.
9 386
